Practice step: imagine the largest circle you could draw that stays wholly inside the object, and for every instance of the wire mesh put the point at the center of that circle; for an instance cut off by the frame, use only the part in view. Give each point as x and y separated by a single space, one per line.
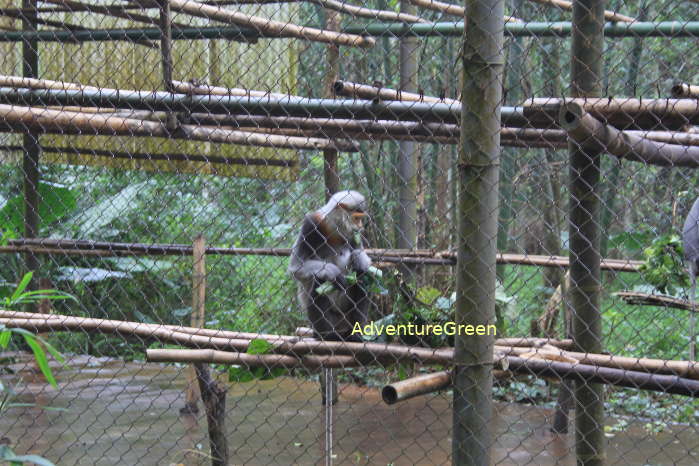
302 180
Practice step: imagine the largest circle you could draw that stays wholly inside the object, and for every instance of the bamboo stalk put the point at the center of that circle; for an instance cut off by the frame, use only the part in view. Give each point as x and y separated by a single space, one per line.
416 386
684 90
646 299
590 374
32 83
78 247
213 394
265 25
250 360
363 12
623 113
568 6
450 9
113 11
197 317
592 134
369 92
17 118
206 89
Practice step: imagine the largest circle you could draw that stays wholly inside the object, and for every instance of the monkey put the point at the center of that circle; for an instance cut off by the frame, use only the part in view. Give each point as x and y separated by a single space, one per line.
328 248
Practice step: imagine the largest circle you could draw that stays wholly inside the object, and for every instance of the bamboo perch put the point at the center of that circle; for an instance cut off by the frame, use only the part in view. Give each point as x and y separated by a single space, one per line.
416 386
266 25
369 92
293 347
205 89
589 132
646 299
250 360
622 113
363 12
113 11
450 9
568 6
605 375
78 247
15 118
684 90
31 83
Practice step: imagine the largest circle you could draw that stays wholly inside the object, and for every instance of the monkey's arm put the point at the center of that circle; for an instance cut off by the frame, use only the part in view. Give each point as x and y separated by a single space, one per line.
305 262
360 260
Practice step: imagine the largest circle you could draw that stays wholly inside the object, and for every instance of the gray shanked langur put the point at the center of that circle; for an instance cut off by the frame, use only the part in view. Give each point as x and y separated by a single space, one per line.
328 248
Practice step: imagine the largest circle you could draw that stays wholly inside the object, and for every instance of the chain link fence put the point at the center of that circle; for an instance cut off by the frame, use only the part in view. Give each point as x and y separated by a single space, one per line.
284 240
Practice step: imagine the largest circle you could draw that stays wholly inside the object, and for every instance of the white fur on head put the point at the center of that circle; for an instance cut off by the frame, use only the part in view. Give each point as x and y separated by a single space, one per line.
352 199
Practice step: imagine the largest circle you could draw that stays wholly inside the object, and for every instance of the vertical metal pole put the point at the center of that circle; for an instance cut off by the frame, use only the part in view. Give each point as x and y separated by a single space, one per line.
30 140
478 169
407 150
584 231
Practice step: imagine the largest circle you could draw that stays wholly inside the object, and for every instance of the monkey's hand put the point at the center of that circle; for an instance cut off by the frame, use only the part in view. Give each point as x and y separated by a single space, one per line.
360 261
329 273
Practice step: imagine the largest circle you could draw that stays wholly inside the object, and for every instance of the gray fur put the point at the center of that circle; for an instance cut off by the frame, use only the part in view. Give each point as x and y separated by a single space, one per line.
314 261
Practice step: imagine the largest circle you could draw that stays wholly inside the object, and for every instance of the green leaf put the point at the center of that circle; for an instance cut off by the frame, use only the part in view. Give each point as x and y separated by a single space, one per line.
5 338
55 202
22 285
239 374
41 360
259 346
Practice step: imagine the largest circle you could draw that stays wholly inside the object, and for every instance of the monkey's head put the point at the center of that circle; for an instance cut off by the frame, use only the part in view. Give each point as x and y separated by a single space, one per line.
344 215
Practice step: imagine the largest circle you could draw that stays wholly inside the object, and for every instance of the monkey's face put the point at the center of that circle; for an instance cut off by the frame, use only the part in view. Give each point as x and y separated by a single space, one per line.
346 222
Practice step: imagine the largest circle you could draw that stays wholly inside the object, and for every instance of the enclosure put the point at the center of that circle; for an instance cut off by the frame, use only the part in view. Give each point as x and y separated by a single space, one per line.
527 165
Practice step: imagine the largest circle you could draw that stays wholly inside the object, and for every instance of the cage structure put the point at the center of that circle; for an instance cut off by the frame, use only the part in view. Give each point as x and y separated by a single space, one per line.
272 96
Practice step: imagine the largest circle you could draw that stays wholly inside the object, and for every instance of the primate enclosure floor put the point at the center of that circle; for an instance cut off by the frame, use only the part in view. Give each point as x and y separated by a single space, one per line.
128 413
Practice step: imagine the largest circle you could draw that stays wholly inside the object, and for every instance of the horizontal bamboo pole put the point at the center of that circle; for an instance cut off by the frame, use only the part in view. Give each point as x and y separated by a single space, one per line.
112 11
590 133
266 25
382 255
205 89
595 374
369 92
684 90
688 369
666 29
449 8
287 107
31 83
16 118
646 299
249 360
623 113
137 35
362 12
415 386
568 6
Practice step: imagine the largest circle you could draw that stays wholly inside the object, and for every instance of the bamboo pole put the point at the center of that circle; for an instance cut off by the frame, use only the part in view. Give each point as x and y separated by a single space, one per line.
266 25
71 6
568 6
478 173
584 233
362 12
250 360
197 318
450 9
684 90
369 92
16 118
78 247
593 135
193 88
623 113
415 386
32 83
646 299
331 175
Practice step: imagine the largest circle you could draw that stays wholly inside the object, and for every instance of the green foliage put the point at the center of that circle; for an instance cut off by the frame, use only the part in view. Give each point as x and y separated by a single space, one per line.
7 455
55 202
247 374
663 267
